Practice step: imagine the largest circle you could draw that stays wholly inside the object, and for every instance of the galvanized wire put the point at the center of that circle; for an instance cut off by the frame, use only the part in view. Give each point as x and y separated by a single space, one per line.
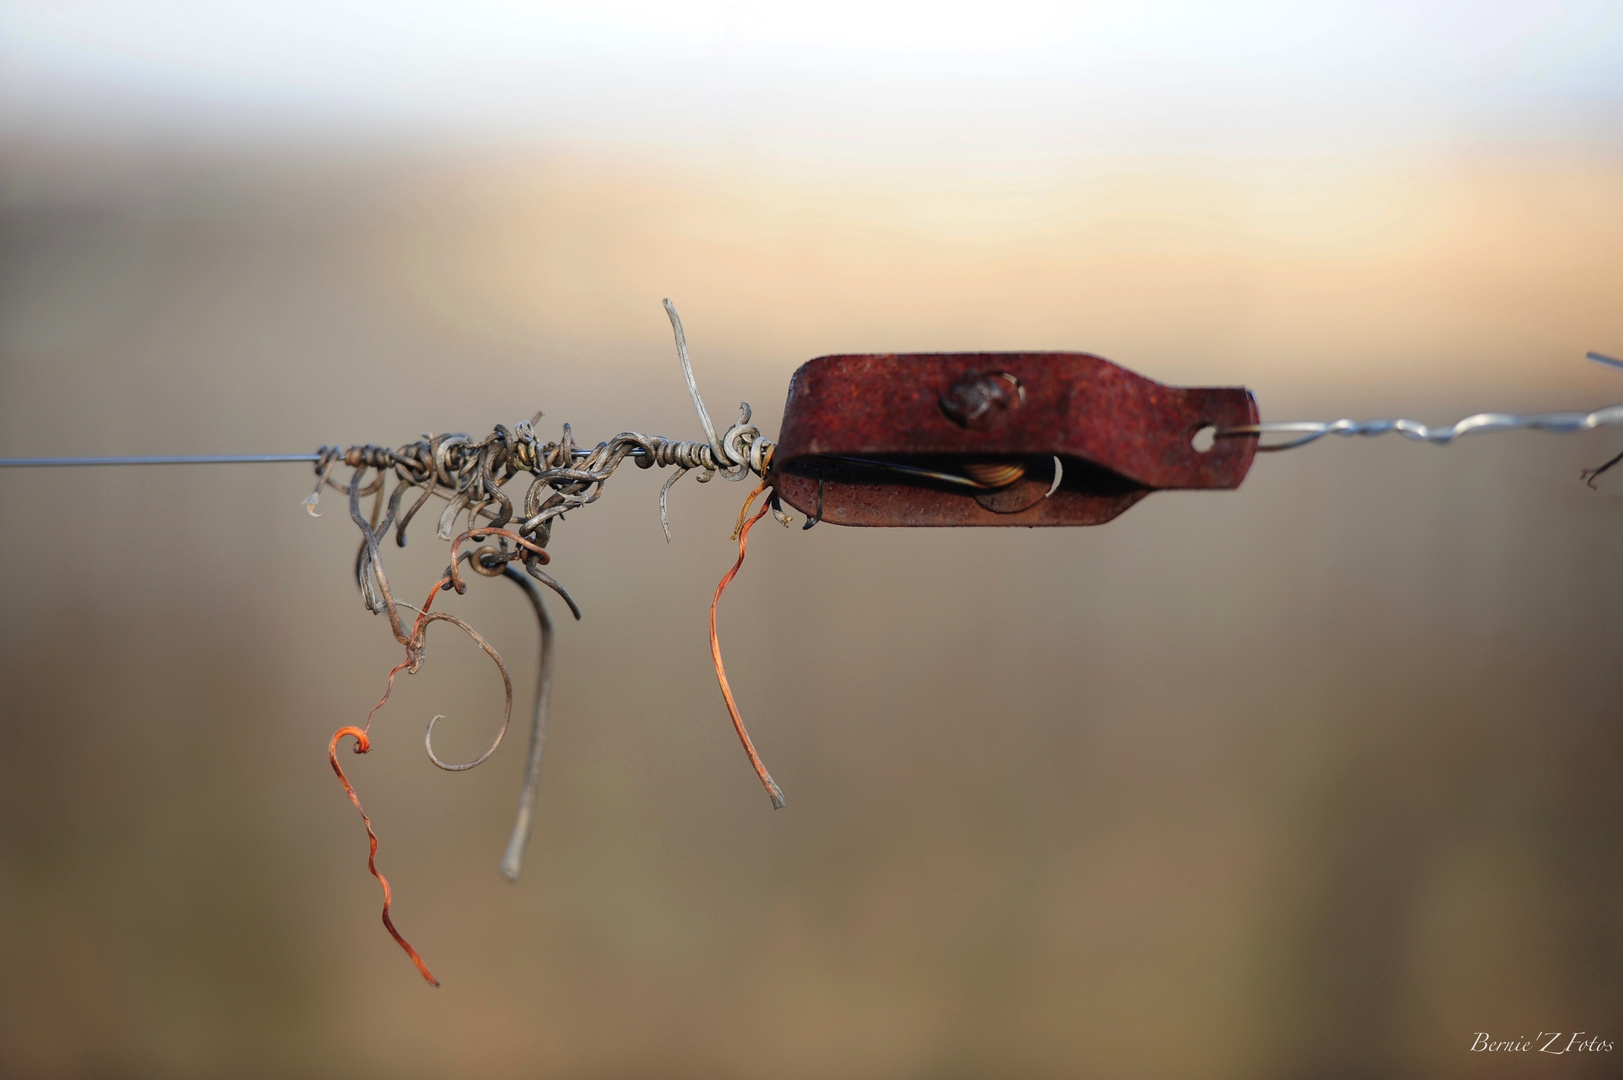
1313 430
183 459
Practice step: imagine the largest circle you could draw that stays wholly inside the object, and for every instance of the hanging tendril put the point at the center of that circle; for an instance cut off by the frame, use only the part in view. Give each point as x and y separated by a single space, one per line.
512 530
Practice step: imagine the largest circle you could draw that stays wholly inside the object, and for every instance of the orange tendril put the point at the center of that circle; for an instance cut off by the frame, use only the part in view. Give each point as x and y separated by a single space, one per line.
362 745
742 533
738 529
413 654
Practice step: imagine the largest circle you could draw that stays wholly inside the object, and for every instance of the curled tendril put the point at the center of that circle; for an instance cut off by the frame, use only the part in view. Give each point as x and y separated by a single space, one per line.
413 662
507 528
742 535
362 745
533 568
507 685
480 534
664 494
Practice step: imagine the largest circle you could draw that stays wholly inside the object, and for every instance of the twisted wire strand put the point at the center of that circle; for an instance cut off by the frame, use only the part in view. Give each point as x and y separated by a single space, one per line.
1311 431
562 477
1308 431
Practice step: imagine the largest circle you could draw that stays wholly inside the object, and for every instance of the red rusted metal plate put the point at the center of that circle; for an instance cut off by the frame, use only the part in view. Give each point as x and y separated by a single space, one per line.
1119 435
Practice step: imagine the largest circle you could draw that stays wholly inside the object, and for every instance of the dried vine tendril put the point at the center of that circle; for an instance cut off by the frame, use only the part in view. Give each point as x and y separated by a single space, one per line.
742 534
512 531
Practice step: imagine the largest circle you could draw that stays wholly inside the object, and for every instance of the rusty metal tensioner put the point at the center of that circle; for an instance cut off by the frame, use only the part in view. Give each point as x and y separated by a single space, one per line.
1054 438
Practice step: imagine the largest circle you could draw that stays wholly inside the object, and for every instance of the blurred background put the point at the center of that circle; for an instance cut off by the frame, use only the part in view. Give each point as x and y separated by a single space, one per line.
1316 778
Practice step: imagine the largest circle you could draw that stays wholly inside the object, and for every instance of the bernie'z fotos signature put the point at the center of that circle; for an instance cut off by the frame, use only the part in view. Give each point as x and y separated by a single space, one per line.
1548 1042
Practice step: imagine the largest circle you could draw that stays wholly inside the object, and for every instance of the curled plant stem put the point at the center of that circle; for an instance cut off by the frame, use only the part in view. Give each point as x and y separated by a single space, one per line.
1589 476
507 683
738 528
456 579
742 534
513 859
362 745
508 528
664 496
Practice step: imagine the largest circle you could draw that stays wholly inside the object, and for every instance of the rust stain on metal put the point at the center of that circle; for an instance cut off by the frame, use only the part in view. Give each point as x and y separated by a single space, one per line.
1119 435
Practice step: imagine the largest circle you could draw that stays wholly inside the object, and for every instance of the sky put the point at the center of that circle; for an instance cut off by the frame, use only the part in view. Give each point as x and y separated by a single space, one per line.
842 79
1244 177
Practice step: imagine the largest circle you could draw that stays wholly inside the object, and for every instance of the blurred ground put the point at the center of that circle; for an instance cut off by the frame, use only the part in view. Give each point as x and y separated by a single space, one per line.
1318 778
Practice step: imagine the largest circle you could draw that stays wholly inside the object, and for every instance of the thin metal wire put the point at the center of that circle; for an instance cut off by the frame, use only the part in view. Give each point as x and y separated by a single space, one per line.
1313 430
204 459
187 459
1310 430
